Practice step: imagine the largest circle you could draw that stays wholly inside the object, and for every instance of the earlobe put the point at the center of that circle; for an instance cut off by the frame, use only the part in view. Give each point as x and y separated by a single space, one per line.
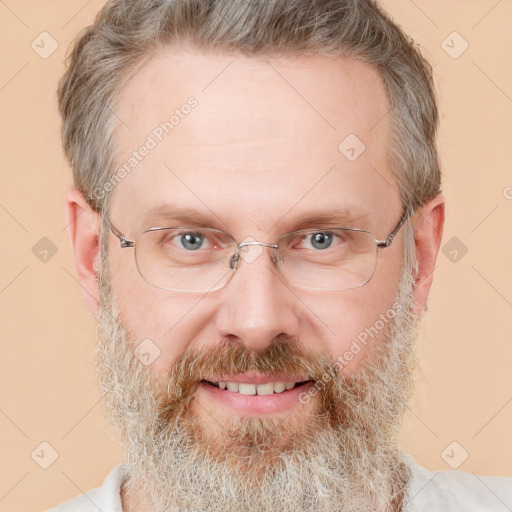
83 224
428 233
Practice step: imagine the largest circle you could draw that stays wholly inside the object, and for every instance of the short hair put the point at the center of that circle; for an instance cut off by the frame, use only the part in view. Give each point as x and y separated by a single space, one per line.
126 33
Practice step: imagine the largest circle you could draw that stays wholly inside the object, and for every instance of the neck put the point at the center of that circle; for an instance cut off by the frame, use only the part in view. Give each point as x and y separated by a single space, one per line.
130 501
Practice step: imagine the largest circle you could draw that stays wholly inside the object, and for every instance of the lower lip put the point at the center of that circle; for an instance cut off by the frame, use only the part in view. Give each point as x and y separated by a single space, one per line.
256 404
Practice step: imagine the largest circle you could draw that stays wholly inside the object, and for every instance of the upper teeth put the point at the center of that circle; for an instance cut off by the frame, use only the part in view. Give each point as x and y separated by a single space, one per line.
253 389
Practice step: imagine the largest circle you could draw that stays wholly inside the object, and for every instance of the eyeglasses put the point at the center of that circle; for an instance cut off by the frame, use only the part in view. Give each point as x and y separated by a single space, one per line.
198 260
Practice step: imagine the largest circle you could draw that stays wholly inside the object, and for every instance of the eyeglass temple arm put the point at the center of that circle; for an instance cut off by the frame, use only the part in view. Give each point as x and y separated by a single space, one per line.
234 260
389 238
123 242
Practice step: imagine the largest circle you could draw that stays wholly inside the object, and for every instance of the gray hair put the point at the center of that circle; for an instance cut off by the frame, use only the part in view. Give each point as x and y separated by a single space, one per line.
127 32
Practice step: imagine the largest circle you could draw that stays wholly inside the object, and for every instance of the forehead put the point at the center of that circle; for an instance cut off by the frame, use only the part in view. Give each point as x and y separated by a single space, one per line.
265 139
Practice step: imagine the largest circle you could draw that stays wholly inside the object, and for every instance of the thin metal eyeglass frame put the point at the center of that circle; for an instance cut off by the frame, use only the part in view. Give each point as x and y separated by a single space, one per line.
233 262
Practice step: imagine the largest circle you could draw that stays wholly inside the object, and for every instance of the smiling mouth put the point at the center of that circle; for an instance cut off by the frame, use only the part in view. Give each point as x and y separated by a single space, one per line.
246 388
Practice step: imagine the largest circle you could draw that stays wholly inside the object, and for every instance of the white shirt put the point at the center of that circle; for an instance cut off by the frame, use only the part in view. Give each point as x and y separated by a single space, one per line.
441 491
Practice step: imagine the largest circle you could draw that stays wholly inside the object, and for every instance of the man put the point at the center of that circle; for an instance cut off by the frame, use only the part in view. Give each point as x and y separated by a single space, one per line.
255 222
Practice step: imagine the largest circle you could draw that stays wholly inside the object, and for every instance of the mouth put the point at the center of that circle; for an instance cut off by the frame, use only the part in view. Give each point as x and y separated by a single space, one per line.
250 388
255 395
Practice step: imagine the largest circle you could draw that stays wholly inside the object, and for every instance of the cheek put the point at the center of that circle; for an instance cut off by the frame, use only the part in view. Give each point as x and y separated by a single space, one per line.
354 321
155 319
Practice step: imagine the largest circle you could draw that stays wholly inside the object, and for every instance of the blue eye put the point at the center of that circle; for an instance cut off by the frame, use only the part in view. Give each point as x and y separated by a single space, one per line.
322 240
190 240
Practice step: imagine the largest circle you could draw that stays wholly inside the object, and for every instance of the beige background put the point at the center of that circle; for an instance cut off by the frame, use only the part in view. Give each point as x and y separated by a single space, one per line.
464 390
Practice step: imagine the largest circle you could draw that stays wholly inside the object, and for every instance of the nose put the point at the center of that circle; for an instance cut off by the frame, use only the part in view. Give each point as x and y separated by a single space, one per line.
256 305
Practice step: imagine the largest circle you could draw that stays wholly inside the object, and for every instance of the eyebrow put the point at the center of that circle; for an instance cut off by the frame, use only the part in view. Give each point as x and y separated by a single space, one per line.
178 216
169 215
333 217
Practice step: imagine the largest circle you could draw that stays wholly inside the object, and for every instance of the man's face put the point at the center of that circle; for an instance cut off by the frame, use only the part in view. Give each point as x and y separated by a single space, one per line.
258 152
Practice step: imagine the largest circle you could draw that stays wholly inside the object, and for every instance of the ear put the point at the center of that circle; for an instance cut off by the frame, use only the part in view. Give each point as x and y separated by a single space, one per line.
428 232
83 228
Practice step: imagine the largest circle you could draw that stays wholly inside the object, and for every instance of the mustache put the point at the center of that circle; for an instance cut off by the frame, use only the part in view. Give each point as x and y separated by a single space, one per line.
284 356
232 358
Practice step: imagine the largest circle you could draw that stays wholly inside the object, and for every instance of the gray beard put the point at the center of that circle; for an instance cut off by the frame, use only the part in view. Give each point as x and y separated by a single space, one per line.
341 456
